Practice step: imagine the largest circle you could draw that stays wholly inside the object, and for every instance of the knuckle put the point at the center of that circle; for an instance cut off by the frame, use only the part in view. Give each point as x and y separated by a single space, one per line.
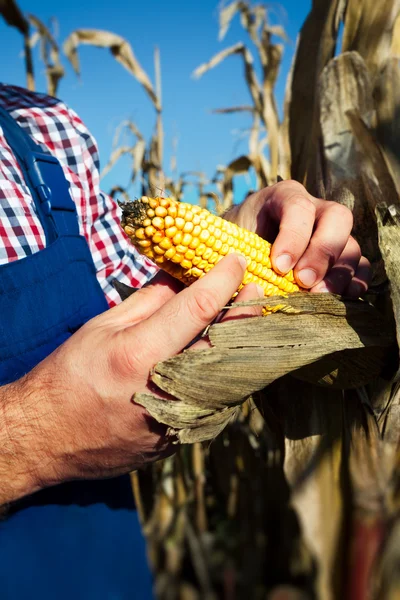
326 250
365 263
302 202
122 360
290 185
341 211
205 305
354 248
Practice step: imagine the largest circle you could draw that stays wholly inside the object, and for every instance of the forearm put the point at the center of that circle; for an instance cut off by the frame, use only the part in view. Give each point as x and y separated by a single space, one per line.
24 467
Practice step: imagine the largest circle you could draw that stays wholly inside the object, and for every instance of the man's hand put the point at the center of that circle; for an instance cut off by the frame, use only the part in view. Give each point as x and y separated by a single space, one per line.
311 235
73 416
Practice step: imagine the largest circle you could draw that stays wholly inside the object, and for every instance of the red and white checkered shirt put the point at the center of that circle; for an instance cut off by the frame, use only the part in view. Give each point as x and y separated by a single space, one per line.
59 129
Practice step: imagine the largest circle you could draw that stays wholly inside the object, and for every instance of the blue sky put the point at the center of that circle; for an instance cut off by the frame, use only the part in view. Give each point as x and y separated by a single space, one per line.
187 35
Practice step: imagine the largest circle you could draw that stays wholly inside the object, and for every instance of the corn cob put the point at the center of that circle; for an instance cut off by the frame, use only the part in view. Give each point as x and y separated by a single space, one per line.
187 241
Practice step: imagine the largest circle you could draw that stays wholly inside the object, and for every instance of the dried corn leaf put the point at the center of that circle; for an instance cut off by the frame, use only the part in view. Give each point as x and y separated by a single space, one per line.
387 101
226 16
50 55
250 74
345 87
369 29
252 19
119 48
315 48
395 49
389 243
14 16
232 109
114 158
247 355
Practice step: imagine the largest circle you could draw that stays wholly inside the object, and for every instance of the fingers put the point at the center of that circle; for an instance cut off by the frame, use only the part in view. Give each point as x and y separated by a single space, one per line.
184 316
343 271
311 233
361 280
334 223
146 301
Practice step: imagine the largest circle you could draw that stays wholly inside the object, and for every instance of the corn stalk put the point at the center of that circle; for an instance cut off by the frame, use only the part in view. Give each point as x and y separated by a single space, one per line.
147 159
263 109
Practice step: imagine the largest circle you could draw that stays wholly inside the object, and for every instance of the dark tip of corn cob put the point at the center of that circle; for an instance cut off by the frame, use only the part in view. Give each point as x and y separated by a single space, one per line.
133 213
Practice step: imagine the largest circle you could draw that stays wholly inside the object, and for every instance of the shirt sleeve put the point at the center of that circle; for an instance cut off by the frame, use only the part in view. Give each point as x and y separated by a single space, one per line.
113 254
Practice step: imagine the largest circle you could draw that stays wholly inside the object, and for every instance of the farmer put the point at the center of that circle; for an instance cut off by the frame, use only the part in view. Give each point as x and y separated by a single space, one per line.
69 430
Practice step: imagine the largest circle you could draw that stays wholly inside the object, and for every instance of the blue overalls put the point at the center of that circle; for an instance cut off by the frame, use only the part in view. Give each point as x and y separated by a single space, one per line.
79 540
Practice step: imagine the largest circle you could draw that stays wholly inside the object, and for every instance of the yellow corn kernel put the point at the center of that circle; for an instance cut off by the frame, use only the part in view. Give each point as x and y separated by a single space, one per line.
171 232
172 210
161 211
200 249
177 258
207 253
140 234
165 243
190 254
177 239
188 227
144 243
150 231
157 237
169 221
158 223
181 211
186 264
170 253
186 239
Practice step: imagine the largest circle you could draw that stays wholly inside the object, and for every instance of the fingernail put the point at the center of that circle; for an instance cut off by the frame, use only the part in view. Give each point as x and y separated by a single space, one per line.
242 261
307 277
284 263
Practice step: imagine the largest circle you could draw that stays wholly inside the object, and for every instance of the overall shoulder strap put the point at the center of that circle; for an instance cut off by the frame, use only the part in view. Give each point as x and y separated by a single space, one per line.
45 178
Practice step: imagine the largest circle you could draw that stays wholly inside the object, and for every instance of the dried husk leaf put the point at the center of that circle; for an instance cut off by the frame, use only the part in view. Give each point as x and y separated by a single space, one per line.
119 48
250 74
226 16
50 55
387 102
14 17
316 47
345 87
369 30
249 354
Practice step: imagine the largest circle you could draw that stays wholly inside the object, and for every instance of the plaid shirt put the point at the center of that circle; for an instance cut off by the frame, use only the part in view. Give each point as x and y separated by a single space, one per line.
56 127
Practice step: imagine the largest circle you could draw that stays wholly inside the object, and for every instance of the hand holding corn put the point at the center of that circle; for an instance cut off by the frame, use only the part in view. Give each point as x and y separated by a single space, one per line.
313 236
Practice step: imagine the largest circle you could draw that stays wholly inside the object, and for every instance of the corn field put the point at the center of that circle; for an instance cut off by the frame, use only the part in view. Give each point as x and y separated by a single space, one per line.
286 484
